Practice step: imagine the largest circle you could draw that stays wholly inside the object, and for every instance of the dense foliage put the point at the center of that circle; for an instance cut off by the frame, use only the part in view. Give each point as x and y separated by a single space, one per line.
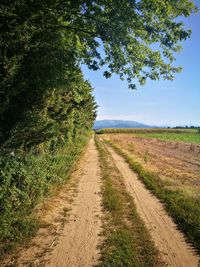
46 112
40 152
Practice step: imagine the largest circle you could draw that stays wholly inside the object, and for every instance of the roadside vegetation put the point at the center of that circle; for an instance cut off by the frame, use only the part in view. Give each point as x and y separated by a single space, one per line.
46 112
185 210
42 133
26 178
126 240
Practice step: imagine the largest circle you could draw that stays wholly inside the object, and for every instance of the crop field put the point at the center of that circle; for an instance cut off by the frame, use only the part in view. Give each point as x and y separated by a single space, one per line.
170 154
179 135
190 137
172 161
149 130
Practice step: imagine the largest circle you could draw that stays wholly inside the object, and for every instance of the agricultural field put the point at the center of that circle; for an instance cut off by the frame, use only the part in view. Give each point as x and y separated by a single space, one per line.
189 137
168 163
179 135
171 154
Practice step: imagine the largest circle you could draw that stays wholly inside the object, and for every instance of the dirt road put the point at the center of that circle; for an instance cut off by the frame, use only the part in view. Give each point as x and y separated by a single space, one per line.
168 240
71 222
78 245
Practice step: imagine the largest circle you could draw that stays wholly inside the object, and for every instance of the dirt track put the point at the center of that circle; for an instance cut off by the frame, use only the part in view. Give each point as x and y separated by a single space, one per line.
78 245
71 222
169 241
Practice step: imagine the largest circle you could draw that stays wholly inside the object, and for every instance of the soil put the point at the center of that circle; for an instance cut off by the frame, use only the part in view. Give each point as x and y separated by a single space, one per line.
170 242
78 244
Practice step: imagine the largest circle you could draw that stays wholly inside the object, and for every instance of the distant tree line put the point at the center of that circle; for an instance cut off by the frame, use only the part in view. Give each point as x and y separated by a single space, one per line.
186 127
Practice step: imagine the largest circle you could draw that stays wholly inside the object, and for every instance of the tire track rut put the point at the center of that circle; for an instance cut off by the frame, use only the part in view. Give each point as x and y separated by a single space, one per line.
169 241
77 246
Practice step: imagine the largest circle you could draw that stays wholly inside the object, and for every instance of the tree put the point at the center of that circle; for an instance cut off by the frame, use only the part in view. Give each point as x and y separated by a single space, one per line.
125 29
42 42
129 32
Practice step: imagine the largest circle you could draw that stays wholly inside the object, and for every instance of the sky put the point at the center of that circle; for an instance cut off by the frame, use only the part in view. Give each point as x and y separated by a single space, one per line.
159 103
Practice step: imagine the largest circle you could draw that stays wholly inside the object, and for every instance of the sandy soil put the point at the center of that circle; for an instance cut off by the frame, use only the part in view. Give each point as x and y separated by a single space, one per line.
169 241
71 222
78 245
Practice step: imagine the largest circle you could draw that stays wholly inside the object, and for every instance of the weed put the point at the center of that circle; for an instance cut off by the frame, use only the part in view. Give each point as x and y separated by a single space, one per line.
65 211
146 155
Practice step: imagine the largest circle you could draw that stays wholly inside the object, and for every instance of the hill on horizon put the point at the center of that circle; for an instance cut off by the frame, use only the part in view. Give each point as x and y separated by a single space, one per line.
99 124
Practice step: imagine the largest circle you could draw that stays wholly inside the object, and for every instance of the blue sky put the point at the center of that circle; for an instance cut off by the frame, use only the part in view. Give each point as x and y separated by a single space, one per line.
156 103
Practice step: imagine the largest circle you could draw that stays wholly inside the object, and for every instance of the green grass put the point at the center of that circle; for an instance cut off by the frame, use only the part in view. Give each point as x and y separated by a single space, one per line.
183 209
189 137
126 240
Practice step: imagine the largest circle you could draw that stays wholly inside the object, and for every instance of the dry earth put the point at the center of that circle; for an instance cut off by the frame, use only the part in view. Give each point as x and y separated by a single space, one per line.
169 241
71 222
176 162
78 245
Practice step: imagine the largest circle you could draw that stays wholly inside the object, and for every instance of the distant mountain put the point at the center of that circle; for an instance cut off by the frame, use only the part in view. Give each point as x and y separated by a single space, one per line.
119 124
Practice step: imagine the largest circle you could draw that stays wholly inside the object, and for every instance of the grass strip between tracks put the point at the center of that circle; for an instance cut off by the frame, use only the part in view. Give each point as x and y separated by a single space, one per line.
183 209
126 239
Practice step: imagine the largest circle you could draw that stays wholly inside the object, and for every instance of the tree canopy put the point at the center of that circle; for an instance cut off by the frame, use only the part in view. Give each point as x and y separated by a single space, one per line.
130 33
43 42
